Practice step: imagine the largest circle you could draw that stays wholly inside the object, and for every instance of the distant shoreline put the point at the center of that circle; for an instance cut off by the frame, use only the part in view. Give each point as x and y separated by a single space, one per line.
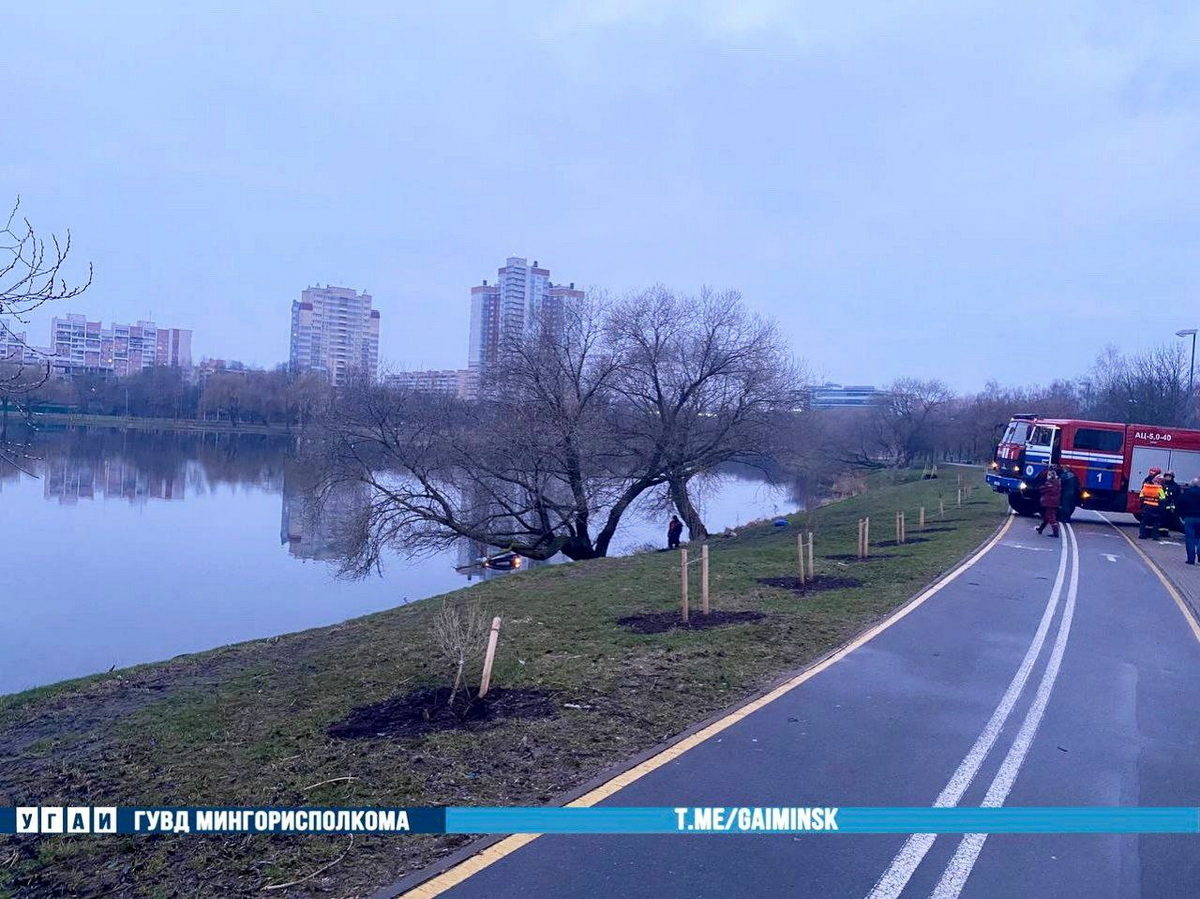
157 424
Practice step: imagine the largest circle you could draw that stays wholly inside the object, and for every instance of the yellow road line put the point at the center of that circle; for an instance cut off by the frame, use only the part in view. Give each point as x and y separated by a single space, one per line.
1166 582
449 879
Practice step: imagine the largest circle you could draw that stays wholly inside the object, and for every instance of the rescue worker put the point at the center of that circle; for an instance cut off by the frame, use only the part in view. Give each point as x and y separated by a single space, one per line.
1051 496
674 531
1152 496
1169 517
1070 492
1187 505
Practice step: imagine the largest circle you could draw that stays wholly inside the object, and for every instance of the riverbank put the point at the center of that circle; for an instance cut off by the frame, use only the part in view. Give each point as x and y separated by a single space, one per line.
270 722
138 423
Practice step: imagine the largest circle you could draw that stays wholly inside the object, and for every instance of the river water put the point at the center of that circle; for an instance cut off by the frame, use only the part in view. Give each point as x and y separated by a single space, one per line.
126 547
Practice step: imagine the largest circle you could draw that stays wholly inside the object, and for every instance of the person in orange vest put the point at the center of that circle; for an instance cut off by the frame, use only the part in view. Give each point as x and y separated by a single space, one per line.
1152 496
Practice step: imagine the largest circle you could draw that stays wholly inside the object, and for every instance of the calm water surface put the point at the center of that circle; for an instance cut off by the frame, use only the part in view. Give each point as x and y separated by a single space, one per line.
129 547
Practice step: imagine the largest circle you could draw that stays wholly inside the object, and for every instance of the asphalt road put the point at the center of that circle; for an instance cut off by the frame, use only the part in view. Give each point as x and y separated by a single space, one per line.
1049 673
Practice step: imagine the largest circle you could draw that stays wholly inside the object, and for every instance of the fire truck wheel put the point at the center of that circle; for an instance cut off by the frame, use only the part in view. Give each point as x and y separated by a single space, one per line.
1023 505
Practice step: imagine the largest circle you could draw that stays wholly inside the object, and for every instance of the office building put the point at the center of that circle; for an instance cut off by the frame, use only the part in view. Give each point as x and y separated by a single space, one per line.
522 298
81 345
835 396
336 332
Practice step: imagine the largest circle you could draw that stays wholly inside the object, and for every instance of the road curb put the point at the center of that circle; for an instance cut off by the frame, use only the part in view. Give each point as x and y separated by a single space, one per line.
475 847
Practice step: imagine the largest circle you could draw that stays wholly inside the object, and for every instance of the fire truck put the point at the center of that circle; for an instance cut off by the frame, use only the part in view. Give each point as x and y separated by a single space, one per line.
1111 460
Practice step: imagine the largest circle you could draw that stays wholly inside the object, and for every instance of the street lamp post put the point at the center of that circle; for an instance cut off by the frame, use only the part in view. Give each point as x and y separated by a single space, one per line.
1191 398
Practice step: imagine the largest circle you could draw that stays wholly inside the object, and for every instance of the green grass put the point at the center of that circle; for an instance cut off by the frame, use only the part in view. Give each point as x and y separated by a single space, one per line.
246 725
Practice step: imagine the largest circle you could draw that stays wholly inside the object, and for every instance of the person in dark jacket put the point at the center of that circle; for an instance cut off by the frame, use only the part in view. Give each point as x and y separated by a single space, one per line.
1187 507
1051 497
1170 515
674 531
1070 492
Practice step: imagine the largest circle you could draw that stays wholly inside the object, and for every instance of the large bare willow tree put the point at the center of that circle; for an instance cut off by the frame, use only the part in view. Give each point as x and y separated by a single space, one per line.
575 422
703 382
30 277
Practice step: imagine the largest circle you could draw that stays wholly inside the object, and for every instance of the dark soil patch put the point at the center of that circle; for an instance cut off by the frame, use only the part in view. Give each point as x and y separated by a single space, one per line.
906 542
851 557
935 531
661 622
813 586
424 710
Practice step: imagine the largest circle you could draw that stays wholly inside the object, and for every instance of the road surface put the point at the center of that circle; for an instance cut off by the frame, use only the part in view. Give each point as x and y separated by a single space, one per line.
1050 672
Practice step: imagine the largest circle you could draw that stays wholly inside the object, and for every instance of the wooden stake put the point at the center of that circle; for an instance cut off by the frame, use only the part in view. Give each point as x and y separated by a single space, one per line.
704 578
683 580
860 538
867 537
941 507
960 497
485 682
812 569
921 519
800 556
903 528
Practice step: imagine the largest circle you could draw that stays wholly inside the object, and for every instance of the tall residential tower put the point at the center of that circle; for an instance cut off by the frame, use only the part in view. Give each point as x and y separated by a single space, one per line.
522 296
335 331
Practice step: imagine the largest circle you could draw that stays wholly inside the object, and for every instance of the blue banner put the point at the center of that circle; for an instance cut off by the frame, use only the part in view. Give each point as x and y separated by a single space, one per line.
75 820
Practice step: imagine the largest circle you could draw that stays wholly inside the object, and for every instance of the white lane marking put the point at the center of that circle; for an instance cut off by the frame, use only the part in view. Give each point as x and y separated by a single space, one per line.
1036 549
892 882
954 878
1109 556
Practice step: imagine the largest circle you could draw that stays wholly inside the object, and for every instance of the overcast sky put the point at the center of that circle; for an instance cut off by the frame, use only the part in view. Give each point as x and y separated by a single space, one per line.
962 190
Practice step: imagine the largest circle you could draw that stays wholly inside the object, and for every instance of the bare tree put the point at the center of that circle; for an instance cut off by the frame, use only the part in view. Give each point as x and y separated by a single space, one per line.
531 466
460 633
1148 388
902 426
702 382
576 422
30 277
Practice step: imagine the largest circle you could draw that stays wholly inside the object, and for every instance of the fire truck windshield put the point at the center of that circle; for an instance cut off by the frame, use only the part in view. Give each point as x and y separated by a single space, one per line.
1017 432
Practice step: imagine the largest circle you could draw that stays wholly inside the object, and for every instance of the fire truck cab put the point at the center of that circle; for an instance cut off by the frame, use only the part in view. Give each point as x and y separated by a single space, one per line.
1111 460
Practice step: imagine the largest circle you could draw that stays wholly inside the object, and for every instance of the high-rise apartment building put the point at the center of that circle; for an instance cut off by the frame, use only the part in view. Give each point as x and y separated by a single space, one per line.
13 348
335 331
522 297
81 345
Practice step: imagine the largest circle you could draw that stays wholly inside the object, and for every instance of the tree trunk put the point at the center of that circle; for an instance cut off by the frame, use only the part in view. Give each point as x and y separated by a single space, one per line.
683 503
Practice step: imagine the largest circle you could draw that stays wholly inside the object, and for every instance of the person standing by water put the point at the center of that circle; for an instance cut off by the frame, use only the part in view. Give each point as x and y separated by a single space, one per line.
674 531
1051 492
1187 507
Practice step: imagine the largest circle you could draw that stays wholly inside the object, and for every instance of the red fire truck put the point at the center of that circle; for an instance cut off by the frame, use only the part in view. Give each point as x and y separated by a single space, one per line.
1110 460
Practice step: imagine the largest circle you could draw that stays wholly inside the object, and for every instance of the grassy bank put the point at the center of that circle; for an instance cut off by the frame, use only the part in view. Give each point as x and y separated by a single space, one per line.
248 724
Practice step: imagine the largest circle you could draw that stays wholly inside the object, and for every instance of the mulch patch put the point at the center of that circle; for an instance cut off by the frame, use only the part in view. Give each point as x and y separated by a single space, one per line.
425 710
661 622
813 586
934 531
851 557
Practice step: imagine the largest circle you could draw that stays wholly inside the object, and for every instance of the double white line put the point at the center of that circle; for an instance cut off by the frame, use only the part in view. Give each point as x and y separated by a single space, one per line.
901 870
